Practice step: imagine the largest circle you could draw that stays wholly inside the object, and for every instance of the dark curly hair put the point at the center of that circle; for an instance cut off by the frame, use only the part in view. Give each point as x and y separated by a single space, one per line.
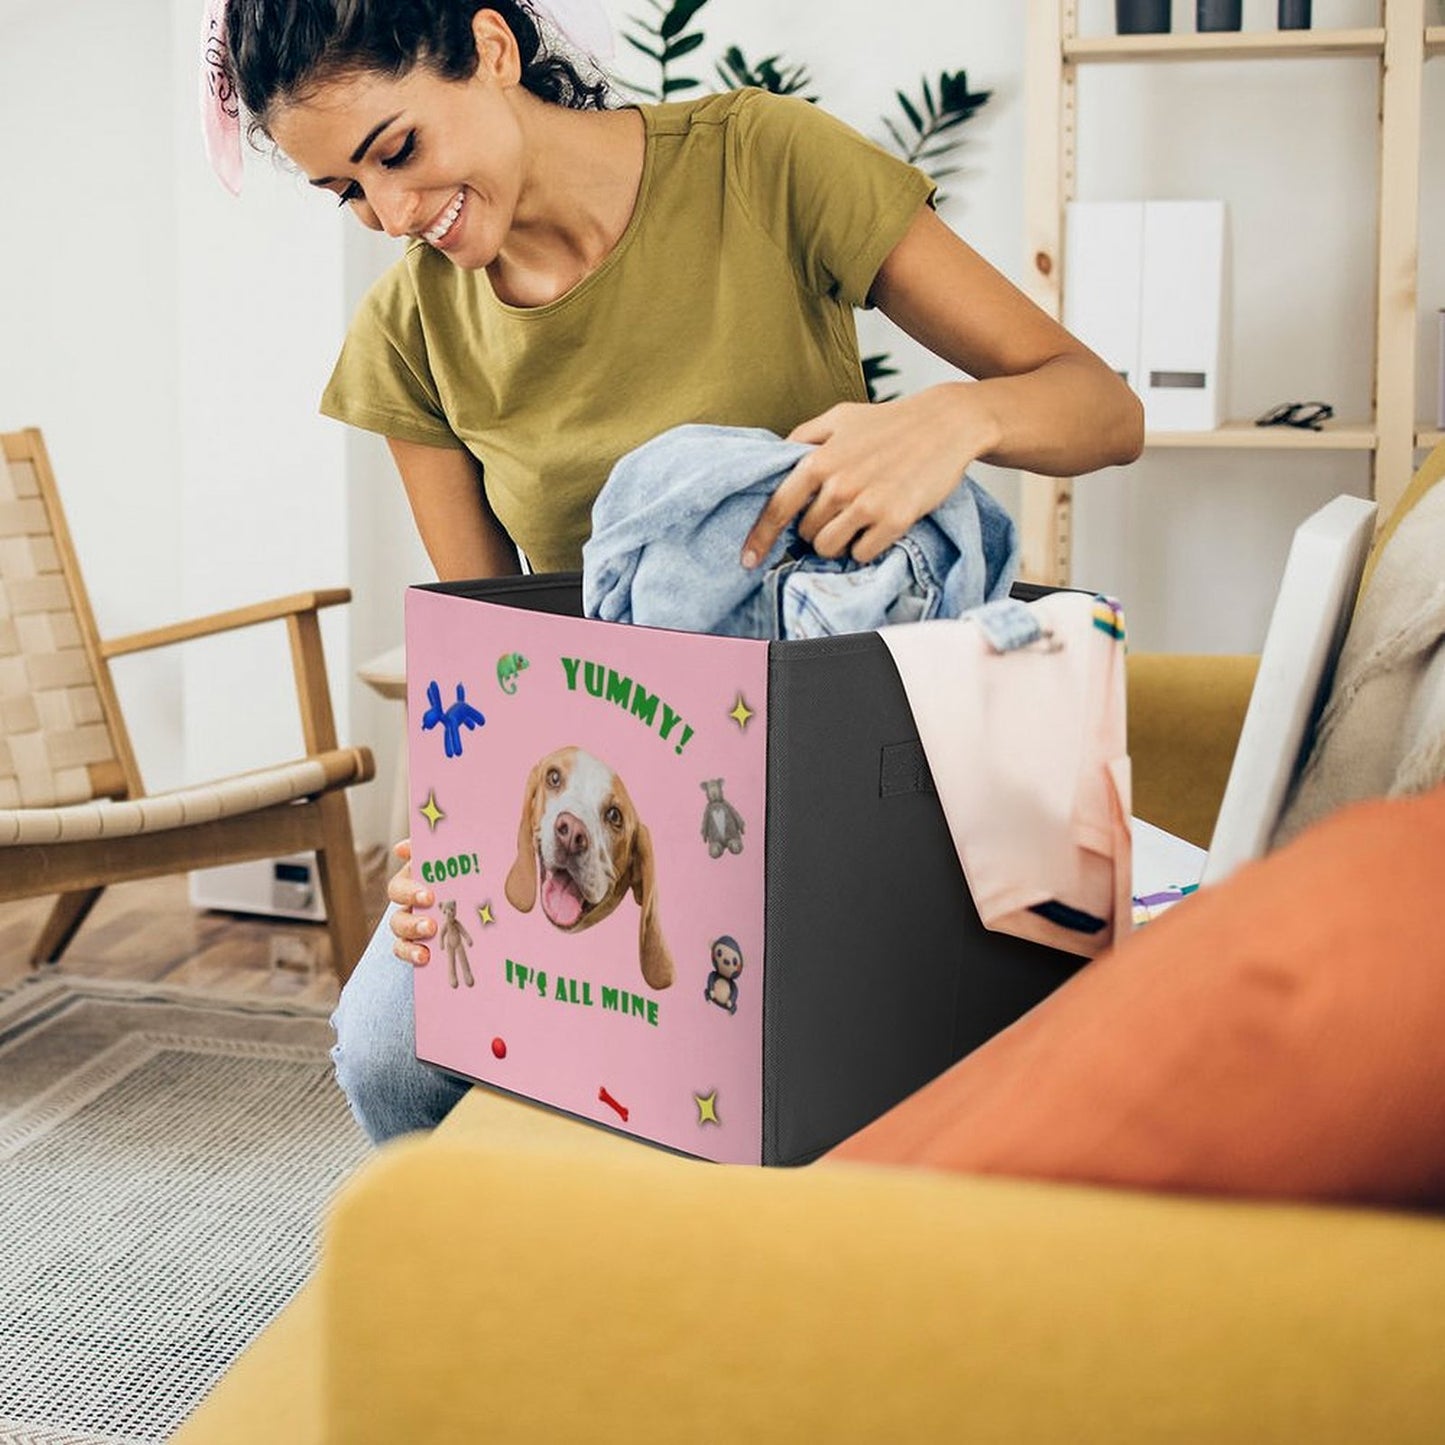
278 51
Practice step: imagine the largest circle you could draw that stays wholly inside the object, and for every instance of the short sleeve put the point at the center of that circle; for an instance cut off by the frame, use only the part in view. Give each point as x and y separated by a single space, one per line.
836 201
382 381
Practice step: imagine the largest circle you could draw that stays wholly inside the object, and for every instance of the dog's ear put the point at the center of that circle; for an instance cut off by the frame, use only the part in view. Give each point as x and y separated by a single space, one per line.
656 961
521 884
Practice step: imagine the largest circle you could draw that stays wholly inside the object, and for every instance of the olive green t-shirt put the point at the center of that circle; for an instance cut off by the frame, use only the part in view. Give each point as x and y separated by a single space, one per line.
760 223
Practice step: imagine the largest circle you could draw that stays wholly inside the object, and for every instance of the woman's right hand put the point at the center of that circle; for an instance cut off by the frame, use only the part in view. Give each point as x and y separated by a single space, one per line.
409 927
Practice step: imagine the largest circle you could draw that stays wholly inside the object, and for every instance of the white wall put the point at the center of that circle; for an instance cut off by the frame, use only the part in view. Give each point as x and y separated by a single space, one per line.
88 312
127 268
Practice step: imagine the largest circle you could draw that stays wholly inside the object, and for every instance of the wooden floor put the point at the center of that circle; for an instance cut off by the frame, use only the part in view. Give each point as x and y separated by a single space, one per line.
149 932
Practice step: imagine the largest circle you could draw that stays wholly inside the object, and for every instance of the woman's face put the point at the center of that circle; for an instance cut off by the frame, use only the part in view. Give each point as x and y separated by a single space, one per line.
420 156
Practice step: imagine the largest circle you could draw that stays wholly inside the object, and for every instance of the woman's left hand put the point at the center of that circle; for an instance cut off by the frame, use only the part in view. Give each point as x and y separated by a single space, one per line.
877 469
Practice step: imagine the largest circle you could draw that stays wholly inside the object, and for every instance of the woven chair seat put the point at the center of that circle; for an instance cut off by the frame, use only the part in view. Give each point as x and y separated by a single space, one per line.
186 807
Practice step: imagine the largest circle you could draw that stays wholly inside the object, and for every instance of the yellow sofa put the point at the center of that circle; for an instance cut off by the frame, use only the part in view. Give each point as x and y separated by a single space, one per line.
518 1276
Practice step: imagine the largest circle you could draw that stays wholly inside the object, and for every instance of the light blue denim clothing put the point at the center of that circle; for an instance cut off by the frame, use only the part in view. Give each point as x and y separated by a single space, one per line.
389 1089
669 526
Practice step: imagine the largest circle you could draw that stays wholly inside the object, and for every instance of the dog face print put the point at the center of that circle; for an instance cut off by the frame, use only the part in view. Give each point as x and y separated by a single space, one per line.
581 848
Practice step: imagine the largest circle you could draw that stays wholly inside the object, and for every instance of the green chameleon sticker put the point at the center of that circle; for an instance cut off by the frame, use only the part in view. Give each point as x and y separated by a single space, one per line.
508 666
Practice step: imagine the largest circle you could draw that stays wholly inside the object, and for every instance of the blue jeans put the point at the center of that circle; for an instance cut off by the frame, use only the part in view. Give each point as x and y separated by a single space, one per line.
389 1089
669 526
810 596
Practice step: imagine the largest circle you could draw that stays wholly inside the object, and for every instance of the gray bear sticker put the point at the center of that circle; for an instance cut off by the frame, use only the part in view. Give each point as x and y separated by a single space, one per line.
722 824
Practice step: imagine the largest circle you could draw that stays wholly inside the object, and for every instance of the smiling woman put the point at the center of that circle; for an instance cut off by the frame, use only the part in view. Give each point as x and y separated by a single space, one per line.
310 85
579 279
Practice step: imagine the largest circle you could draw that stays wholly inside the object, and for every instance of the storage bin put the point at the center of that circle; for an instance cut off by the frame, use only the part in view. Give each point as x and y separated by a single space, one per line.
778 945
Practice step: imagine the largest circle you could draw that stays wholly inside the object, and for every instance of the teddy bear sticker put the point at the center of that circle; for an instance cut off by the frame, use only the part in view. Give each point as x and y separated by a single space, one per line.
450 941
722 824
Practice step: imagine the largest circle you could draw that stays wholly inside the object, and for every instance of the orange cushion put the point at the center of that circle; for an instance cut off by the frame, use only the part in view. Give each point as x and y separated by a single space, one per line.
1282 1034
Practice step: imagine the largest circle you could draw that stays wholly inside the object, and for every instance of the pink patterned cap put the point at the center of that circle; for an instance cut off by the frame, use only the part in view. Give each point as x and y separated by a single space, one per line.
220 105
582 23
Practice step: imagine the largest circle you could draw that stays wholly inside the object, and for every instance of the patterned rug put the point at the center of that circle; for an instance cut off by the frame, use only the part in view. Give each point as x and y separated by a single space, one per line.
165 1159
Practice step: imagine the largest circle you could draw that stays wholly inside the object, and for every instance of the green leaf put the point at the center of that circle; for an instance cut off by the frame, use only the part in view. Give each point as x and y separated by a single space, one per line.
673 84
953 104
950 121
636 44
684 46
678 17
875 369
909 111
954 92
769 74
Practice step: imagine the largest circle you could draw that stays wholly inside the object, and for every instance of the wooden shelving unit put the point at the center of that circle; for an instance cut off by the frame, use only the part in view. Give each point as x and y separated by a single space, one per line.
1245 436
1227 45
1399 46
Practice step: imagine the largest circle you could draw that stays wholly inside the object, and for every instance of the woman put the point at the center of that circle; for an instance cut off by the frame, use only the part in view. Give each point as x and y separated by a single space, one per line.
579 279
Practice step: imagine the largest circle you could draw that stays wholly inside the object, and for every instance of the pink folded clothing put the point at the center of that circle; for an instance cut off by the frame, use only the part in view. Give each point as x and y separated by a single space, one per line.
1021 713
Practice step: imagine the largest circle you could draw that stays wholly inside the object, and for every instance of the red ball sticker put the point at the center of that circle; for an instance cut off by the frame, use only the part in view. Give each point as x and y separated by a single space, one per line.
499 1048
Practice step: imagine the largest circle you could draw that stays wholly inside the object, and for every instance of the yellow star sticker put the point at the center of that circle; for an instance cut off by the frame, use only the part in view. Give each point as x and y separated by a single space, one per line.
707 1108
485 913
742 713
430 811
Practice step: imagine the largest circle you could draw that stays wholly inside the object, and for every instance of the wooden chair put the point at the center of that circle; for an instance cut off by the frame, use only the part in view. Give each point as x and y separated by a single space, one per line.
74 813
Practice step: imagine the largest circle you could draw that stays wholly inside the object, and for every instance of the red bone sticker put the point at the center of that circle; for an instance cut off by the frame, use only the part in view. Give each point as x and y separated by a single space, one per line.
612 1104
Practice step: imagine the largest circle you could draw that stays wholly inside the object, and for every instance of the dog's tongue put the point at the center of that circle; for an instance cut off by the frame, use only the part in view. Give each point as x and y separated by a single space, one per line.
561 898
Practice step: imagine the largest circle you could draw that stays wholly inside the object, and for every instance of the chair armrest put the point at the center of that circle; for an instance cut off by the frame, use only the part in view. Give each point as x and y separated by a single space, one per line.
1185 717
506 1292
217 622
313 694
